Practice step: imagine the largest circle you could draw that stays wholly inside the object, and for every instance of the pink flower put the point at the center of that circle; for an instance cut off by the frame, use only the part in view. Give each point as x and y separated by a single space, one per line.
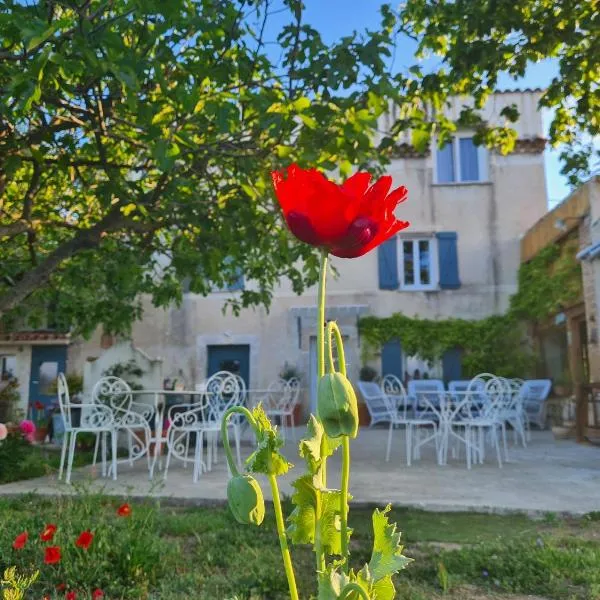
27 428
3 431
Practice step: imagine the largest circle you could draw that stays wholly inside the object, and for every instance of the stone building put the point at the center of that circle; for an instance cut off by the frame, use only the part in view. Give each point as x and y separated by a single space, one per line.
468 209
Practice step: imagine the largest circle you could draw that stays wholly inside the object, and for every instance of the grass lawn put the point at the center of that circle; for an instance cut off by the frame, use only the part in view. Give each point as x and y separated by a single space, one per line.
202 553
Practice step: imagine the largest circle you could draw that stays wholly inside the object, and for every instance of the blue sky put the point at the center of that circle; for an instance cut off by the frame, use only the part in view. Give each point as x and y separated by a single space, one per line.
336 18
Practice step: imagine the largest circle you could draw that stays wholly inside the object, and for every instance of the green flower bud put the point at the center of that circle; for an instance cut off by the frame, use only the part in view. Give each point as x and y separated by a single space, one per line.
336 405
246 500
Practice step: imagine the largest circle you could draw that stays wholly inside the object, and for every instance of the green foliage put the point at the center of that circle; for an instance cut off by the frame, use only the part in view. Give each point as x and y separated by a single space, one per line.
495 344
548 283
129 371
480 40
138 139
14 586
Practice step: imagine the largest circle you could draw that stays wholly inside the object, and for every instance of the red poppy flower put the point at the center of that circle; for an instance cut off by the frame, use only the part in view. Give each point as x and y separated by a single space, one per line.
97 594
52 555
70 595
124 510
39 405
48 532
85 539
20 541
61 587
347 220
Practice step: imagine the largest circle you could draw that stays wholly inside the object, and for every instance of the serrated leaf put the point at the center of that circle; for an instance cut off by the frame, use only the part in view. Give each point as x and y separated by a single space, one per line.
267 459
317 445
302 520
387 557
331 583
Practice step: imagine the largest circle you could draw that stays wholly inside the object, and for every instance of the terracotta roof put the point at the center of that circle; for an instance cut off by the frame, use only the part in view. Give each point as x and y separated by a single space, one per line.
35 336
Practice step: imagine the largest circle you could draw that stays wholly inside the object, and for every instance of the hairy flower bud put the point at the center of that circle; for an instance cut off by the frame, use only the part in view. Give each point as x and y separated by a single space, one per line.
246 500
337 408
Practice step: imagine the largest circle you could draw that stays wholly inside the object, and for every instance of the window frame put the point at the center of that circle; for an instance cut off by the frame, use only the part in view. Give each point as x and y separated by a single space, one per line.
482 162
434 270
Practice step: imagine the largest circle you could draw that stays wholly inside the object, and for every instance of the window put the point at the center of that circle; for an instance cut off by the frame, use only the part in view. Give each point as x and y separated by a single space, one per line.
460 160
418 264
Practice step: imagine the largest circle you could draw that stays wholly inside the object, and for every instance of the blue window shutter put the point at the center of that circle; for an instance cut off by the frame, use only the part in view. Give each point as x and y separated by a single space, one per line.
387 256
469 163
452 365
238 284
448 260
391 359
445 164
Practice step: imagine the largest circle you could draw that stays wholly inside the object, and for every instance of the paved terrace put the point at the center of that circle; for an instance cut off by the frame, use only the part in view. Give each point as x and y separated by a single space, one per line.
548 476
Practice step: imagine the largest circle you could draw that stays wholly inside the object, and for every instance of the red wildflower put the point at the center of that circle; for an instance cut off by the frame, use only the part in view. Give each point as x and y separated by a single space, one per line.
39 405
20 540
347 220
97 594
61 587
70 595
48 532
124 510
52 555
85 539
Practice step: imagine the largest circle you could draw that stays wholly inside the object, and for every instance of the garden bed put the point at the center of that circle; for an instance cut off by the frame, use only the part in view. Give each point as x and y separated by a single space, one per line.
175 553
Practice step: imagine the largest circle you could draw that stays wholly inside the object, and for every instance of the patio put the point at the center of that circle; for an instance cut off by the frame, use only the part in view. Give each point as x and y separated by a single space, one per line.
548 476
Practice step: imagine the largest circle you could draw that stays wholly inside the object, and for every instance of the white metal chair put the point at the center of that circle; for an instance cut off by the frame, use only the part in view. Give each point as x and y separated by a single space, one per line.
93 418
281 402
222 391
534 393
397 405
129 418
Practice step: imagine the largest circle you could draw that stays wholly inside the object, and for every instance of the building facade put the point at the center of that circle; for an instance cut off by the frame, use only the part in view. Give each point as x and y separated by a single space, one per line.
468 208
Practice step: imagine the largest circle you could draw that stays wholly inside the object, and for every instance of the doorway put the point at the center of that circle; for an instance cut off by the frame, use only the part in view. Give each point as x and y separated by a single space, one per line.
46 363
234 358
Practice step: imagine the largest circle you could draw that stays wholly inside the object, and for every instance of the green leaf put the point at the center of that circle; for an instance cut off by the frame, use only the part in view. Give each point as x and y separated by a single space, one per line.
387 557
300 104
331 583
317 445
267 459
420 139
302 520
310 122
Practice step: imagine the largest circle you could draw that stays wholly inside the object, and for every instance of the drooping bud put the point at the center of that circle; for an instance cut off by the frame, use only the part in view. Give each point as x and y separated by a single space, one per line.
246 500
337 407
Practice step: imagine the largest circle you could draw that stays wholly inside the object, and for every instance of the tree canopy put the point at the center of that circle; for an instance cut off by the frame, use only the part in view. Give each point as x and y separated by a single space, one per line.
137 136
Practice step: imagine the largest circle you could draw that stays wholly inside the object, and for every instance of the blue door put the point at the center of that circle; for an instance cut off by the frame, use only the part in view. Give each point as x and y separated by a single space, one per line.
46 363
234 358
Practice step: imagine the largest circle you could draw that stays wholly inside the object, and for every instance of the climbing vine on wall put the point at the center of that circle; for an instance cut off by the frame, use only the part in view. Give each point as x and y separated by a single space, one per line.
548 282
496 344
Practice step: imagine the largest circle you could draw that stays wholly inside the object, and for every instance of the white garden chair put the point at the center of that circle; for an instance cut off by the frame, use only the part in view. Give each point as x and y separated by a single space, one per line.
93 418
421 389
397 405
282 399
132 419
222 391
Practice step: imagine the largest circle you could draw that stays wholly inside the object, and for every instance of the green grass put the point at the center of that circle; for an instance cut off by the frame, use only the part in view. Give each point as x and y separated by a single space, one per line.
177 553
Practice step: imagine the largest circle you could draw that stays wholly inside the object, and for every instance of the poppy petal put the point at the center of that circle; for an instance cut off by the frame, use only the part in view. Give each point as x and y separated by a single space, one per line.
357 184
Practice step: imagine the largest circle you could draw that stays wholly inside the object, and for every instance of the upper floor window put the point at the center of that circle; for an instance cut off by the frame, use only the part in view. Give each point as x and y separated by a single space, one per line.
418 264
460 160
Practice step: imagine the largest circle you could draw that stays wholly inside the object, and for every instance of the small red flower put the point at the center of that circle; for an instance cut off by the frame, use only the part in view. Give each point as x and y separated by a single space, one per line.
98 593
20 541
70 595
61 587
48 532
39 405
124 510
52 555
347 220
85 539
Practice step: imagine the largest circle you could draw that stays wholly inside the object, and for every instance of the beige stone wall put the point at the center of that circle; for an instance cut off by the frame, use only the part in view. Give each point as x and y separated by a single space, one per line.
489 218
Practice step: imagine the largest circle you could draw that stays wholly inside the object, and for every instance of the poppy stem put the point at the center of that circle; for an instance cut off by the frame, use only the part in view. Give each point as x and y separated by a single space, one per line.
225 433
285 551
